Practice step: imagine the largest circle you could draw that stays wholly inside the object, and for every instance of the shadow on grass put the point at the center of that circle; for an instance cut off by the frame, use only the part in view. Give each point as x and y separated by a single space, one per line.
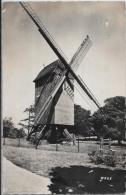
79 180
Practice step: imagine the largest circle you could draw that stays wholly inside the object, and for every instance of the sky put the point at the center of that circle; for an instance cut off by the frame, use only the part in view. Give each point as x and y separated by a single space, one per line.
25 52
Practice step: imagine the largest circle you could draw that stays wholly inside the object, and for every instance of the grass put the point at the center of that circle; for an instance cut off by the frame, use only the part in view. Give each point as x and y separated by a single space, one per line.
42 160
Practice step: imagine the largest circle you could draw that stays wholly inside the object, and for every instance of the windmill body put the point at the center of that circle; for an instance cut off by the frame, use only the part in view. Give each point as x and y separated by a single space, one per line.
61 108
54 85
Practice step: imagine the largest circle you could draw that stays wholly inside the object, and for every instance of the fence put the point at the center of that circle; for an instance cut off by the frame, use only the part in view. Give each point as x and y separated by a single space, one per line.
80 146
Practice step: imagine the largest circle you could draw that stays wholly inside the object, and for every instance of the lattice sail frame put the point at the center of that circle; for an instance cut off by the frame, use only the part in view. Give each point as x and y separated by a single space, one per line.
60 55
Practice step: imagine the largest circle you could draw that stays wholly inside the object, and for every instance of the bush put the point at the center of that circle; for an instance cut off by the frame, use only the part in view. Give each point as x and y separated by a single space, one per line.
96 157
16 133
109 158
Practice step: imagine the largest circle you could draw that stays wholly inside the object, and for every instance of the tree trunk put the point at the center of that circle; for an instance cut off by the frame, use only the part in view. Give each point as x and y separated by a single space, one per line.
119 142
19 142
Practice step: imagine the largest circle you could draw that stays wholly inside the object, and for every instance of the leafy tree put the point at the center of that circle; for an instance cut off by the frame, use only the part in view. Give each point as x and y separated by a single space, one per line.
20 134
8 125
27 123
117 103
17 133
13 133
114 119
9 130
82 121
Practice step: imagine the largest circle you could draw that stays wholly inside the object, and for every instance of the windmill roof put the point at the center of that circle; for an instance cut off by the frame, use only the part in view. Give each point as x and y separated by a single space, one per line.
49 68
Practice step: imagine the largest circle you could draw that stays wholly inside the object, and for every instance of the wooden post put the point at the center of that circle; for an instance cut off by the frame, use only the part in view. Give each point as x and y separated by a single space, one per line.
101 143
78 144
35 136
19 142
56 147
89 135
56 140
4 141
110 143
74 139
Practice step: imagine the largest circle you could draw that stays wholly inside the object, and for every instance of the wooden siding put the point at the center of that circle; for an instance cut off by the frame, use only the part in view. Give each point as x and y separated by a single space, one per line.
61 108
64 109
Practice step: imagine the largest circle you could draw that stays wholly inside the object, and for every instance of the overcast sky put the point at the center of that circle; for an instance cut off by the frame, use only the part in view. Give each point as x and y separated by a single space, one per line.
25 51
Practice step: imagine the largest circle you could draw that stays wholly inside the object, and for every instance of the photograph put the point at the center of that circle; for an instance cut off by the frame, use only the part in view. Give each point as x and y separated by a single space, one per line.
63 97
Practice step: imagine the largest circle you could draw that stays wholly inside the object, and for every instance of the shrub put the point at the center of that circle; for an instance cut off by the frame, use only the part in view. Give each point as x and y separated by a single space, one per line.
109 158
96 157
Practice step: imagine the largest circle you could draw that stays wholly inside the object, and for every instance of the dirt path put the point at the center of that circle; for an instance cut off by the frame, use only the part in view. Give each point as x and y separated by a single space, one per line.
18 180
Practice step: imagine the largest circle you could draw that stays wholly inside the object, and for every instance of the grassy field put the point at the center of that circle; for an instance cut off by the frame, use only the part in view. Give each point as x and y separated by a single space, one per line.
42 160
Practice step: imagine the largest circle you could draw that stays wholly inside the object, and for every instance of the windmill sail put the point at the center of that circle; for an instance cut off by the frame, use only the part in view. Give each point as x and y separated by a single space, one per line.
80 53
44 104
41 27
55 48
40 135
89 91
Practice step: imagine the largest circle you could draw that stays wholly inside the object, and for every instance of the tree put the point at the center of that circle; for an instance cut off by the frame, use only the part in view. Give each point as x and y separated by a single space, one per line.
114 119
98 122
10 131
20 134
13 133
8 125
82 121
28 122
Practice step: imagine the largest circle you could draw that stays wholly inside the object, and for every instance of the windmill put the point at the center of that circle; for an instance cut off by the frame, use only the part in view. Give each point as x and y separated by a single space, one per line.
54 86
